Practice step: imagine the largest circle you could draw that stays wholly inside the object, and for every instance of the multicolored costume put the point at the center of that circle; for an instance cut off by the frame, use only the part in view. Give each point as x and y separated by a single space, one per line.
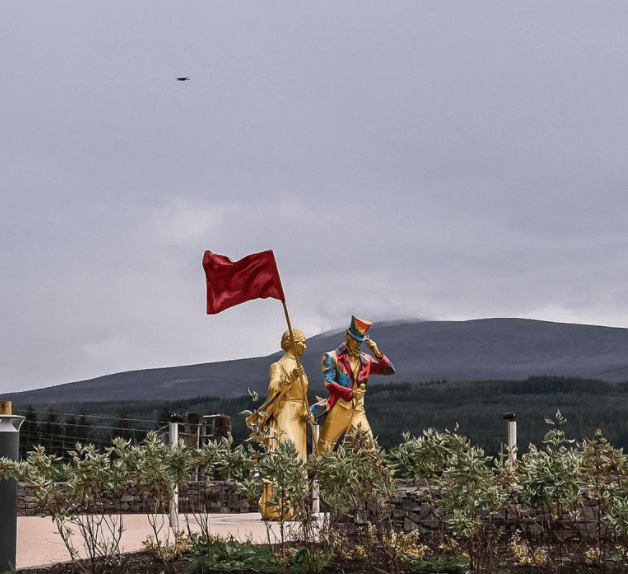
341 410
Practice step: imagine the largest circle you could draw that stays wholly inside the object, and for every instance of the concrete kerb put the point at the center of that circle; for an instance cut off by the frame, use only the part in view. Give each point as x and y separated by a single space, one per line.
39 543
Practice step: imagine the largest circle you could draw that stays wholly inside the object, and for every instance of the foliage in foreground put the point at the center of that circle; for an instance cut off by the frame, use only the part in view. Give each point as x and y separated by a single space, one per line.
470 491
233 556
577 492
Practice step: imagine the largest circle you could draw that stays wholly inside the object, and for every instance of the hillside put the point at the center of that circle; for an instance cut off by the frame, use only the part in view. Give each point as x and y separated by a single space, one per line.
483 349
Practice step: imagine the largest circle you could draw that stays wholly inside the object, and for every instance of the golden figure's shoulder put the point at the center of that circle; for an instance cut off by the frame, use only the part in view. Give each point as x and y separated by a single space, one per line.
287 362
276 369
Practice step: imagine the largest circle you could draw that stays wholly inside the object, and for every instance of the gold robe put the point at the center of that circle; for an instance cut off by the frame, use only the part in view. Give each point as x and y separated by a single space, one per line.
284 420
285 407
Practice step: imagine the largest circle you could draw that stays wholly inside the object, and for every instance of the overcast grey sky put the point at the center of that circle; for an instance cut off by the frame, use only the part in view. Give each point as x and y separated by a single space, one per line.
404 159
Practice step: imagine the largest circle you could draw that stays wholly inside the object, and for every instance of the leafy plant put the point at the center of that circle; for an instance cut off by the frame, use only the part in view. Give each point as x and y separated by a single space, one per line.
285 473
77 508
169 552
233 556
604 469
90 474
423 459
551 478
157 469
448 564
464 483
356 479
211 460
355 473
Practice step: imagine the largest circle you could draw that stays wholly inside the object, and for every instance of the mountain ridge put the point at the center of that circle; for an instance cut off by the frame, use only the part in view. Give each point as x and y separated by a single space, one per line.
476 349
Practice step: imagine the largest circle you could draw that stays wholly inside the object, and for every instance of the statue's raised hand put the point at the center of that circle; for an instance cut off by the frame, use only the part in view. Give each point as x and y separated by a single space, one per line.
372 345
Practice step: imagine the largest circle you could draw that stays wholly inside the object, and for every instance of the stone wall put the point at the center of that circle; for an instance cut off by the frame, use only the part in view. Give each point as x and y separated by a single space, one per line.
409 507
411 510
218 497
408 510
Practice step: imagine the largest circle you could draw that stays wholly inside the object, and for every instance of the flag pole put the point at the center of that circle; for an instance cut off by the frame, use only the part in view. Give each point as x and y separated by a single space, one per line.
296 356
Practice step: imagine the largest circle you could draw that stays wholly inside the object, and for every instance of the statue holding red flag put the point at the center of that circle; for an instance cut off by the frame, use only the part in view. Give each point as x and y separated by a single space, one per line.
283 415
286 411
255 276
346 371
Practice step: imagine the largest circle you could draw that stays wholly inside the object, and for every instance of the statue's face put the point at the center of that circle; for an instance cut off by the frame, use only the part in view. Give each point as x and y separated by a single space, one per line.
300 345
352 343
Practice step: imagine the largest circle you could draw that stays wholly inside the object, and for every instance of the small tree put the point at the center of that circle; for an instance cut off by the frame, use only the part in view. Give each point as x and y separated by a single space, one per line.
551 478
466 485
604 468
285 477
78 507
89 475
213 459
356 479
157 469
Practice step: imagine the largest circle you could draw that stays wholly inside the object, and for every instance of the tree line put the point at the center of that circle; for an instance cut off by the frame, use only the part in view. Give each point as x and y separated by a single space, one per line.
476 408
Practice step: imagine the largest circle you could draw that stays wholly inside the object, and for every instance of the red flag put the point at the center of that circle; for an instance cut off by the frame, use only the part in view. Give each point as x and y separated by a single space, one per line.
230 283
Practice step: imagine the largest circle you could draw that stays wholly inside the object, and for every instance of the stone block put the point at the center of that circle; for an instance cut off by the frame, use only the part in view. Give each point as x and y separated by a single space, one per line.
408 503
409 525
362 517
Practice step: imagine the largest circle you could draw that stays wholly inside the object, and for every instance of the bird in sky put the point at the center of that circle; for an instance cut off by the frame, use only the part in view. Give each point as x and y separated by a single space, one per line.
183 79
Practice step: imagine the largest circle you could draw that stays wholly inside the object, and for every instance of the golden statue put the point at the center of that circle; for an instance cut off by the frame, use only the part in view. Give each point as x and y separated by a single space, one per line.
346 371
284 415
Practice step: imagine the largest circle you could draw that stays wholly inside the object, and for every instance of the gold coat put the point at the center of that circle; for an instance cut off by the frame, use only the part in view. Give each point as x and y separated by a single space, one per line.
285 408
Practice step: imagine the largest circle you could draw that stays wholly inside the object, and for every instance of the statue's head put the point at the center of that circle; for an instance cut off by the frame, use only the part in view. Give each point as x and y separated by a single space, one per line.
299 340
357 331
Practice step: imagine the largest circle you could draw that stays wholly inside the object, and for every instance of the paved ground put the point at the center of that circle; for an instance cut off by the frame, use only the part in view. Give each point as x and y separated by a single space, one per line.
39 542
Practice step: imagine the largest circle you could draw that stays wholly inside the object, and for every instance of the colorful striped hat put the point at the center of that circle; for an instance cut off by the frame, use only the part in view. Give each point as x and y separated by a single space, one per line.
358 329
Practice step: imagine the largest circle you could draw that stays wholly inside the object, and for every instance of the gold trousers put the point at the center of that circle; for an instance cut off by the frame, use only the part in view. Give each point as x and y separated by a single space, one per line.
343 417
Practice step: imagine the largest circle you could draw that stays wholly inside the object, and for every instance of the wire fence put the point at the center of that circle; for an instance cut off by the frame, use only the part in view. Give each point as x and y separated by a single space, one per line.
59 432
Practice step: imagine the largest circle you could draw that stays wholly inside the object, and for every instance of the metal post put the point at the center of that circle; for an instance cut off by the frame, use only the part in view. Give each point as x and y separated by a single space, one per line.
222 427
316 501
174 501
9 448
192 436
192 429
512 437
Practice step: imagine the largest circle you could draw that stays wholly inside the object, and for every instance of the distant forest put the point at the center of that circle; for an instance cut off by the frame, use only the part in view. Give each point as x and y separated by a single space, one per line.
477 408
